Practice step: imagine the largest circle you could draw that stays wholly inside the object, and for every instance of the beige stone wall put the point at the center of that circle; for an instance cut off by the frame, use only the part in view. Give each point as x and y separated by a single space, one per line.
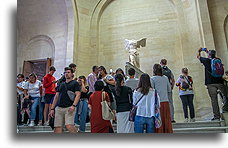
174 29
218 10
45 30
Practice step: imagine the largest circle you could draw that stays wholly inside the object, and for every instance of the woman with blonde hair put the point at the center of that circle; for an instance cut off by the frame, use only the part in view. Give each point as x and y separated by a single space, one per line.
184 82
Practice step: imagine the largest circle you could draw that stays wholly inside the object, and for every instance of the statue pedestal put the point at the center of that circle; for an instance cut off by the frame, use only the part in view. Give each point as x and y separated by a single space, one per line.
138 72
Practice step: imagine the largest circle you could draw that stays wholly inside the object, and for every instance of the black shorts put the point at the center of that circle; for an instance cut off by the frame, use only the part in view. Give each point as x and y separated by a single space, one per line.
48 98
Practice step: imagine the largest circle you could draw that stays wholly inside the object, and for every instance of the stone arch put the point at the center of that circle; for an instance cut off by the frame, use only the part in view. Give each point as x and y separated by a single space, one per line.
97 13
226 33
225 29
74 26
44 44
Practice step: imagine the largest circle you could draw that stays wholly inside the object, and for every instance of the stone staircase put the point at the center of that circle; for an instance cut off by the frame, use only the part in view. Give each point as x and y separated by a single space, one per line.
201 127
192 127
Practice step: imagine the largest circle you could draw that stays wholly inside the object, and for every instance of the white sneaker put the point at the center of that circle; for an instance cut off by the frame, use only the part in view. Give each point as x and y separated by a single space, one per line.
40 123
46 124
186 120
31 123
192 120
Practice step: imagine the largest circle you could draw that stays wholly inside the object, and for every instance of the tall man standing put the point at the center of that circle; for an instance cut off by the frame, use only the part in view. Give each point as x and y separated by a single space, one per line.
63 79
65 111
167 72
213 83
92 78
49 84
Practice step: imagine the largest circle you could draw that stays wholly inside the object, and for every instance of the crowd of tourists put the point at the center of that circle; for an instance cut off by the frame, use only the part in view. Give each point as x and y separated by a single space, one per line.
134 105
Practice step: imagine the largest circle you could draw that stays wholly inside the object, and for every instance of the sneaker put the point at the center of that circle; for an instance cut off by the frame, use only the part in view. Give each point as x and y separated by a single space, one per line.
31 123
46 124
173 121
40 123
215 119
186 120
192 120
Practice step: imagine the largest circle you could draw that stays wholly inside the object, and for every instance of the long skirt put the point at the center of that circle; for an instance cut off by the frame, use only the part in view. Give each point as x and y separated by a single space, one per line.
166 119
123 123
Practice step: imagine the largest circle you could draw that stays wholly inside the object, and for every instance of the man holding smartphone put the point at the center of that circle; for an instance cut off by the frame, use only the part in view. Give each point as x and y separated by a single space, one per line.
213 83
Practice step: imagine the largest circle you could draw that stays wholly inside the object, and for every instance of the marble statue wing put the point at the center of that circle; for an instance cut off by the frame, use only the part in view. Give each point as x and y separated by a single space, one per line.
141 43
126 44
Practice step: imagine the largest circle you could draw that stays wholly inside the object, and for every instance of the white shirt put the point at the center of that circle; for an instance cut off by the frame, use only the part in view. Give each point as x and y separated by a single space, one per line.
20 84
108 77
33 89
146 106
132 83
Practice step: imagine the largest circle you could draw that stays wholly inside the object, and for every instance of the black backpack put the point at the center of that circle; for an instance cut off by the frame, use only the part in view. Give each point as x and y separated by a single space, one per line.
167 72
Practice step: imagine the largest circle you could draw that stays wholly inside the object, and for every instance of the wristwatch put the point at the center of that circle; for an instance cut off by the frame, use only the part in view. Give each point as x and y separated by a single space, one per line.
74 105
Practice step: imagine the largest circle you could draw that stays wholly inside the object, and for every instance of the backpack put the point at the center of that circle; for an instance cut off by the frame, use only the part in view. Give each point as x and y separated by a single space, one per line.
217 69
167 72
185 85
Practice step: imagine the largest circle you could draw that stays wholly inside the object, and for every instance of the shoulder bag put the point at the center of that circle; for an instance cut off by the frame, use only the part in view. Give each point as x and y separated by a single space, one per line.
134 110
107 113
158 121
70 93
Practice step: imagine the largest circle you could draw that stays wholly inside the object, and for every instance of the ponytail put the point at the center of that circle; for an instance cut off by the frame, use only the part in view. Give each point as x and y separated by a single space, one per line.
119 78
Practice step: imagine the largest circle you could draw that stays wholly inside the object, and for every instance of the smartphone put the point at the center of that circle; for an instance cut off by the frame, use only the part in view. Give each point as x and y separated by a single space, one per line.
204 49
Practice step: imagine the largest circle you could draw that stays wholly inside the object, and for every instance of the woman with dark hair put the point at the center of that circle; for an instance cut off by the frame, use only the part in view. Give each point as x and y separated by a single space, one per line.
109 84
145 96
161 83
82 106
123 97
20 96
33 90
184 82
120 71
98 124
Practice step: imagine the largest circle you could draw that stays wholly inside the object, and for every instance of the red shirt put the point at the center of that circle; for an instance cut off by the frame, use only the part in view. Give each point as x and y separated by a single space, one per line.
48 85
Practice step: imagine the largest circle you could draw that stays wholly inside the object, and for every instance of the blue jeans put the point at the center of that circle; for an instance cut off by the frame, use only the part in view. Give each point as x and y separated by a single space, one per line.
81 113
41 110
140 122
33 107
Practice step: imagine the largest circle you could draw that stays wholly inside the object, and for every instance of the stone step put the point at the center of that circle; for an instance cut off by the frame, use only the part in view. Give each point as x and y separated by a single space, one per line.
178 130
199 124
48 128
190 127
202 130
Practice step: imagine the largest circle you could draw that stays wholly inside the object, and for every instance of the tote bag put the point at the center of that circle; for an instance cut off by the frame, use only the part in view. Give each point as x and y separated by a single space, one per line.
158 121
107 113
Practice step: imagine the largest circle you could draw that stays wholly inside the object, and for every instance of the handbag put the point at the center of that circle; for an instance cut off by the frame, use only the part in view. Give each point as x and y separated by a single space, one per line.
158 121
107 113
70 93
134 110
